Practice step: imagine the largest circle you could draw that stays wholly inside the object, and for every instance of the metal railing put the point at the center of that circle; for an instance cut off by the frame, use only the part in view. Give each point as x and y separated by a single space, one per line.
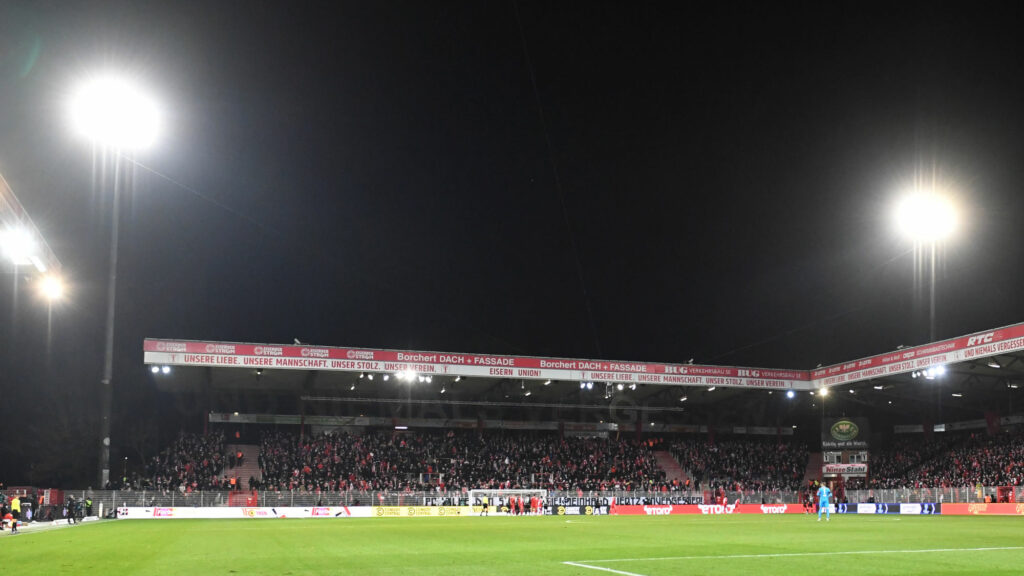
111 499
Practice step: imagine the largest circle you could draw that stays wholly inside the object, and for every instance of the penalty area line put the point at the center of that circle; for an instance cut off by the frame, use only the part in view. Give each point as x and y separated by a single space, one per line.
583 563
602 568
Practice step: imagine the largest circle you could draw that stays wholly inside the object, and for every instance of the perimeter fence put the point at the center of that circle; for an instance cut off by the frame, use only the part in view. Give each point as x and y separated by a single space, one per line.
111 499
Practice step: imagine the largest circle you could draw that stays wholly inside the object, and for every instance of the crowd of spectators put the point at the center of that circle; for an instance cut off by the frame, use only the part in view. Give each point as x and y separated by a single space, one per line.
193 462
748 464
950 461
455 461
458 460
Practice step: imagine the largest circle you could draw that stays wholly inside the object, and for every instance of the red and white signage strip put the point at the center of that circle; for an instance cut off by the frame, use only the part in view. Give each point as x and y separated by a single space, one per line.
978 345
667 509
188 353
846 469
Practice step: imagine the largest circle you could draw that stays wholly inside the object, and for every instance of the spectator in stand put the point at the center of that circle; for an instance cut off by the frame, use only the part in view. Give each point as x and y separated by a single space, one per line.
454 461
744 465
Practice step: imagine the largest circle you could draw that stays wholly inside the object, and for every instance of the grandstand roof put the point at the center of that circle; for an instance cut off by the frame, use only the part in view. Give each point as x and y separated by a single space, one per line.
979 367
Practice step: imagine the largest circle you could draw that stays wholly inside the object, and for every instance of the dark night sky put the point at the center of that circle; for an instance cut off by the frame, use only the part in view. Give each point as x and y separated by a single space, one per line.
378 174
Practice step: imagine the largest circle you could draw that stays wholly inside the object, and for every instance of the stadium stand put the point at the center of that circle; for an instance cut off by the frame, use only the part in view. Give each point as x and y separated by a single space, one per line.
747 464
451 461
193 462
950 460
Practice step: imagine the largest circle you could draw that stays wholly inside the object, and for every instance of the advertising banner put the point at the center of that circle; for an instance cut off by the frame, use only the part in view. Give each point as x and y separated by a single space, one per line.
165 512
970 347
671 509
421 511
845 433
302 357
922 508
845 469
576 510
985 509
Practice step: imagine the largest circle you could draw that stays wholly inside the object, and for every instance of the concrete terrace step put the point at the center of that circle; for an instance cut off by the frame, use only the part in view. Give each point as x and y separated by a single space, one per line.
250 463
668 463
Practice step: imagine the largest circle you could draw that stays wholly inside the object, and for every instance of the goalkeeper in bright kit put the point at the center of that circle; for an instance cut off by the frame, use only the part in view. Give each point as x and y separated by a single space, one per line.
824 496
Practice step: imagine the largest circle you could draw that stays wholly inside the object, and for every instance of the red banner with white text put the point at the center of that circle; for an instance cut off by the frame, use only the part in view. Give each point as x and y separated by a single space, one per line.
672 509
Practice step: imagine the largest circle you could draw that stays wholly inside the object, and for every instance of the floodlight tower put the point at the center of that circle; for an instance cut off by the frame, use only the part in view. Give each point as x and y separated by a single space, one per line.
118 118
928 218
22 246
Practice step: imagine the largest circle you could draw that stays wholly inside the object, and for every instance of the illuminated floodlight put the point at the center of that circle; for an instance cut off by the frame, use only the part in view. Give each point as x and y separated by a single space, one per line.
443 390
632 386
712 388
824 392
546 383
619 386
51 287
155 369
166 369
429 378
683 399
369 376
926 216
457 378
18 245
994 364
528 392
112 112
590 385
387 377
790 393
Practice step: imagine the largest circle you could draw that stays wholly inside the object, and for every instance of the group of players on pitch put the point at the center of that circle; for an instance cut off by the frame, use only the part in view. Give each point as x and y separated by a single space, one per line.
516 506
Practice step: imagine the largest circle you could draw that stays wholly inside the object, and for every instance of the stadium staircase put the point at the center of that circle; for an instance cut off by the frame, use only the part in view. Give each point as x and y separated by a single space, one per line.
250 463
813 471
668 463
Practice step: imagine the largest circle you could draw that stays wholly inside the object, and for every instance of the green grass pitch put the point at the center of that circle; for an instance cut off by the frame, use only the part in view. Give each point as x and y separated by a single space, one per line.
598 546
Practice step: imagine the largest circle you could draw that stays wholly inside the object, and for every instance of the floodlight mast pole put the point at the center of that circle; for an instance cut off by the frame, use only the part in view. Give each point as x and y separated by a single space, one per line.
118 118
107 383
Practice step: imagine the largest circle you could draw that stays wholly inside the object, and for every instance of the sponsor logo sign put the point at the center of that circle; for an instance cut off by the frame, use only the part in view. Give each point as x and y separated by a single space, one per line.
717 508
922 508
846 469
707 509
414 511
844 430
984 509
845 433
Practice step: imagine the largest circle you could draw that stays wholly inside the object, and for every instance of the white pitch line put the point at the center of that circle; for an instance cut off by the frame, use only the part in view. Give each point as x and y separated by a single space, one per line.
602 568
796 554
